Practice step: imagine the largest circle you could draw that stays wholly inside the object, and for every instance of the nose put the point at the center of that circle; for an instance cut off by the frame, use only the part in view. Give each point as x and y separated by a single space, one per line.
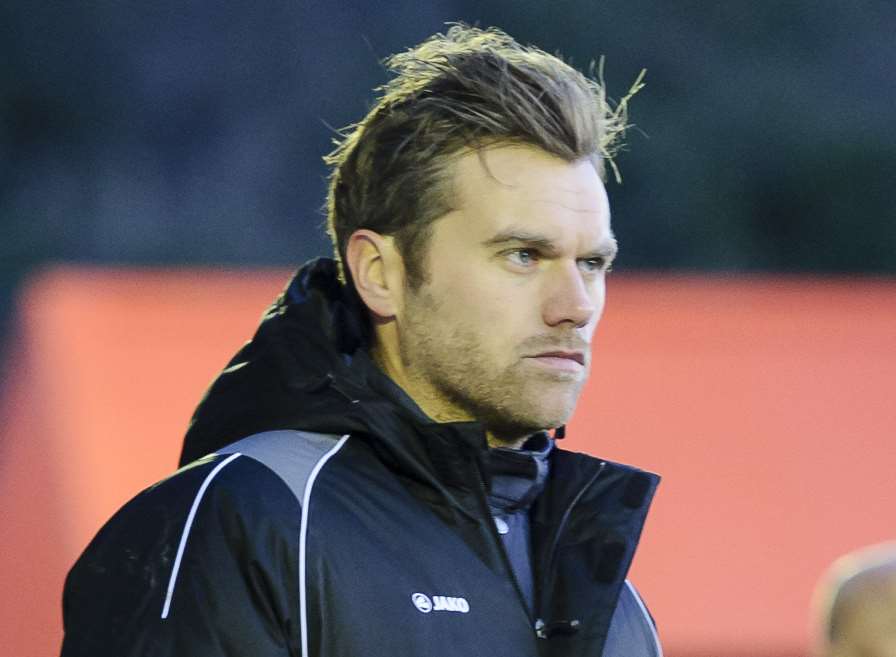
571 298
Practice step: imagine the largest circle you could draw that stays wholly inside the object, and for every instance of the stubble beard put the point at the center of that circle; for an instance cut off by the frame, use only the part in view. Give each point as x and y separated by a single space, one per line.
447 362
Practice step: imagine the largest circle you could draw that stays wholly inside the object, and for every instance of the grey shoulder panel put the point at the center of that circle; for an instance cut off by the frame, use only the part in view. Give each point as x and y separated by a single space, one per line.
292 455
632 632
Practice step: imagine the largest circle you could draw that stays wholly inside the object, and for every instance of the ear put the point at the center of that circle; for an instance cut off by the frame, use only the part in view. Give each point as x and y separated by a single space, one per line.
377 271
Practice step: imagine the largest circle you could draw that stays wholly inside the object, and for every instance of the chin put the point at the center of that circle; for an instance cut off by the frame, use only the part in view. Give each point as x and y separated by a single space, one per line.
553 412
543 418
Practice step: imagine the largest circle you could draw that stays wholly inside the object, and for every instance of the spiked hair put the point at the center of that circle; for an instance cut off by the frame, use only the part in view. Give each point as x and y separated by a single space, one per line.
465 89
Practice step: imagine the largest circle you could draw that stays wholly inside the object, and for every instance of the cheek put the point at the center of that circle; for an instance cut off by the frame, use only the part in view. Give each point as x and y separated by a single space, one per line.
486 316
504 309
885 644
478 291
599 297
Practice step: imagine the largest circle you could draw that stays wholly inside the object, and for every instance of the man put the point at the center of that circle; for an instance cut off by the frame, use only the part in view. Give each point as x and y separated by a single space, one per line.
855 605
371 474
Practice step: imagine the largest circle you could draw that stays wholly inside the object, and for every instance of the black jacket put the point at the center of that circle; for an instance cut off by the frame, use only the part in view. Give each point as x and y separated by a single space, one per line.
348 523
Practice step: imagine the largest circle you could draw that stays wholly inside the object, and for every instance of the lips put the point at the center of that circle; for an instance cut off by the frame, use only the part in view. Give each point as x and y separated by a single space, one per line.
560 362
576 356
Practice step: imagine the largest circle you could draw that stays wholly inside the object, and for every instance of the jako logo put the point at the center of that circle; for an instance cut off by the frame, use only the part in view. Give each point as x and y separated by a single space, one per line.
422 602
439 603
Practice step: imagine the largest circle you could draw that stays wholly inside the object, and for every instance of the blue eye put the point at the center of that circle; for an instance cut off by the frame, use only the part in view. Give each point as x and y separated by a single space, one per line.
523 257
594 265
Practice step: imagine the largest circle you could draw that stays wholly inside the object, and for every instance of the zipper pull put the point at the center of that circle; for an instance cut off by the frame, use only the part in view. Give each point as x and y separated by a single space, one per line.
564 628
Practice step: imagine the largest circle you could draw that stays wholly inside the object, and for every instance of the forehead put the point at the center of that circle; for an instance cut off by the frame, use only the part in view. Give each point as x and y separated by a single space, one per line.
525 187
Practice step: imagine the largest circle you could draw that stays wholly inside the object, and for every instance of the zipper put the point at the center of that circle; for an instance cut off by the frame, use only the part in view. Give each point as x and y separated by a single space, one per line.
546 630
493 532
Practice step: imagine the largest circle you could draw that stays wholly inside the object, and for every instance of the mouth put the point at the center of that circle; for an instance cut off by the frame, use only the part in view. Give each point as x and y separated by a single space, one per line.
576 356
572 361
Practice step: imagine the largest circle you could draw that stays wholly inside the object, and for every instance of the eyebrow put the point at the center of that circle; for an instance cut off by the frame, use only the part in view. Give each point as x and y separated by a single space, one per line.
607 249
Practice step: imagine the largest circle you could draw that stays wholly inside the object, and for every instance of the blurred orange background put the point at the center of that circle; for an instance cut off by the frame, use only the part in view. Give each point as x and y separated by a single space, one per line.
767 404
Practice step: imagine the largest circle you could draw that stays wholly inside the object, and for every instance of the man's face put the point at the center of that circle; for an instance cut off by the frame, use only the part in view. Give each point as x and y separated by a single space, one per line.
500 331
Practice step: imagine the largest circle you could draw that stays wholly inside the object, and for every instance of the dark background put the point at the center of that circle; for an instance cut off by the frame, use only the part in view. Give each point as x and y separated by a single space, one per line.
181 133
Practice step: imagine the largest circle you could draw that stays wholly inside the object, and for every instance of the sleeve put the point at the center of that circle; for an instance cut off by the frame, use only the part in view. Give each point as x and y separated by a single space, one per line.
202 564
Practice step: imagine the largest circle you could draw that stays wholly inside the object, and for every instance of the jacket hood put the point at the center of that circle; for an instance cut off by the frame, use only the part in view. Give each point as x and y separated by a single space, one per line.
307 368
